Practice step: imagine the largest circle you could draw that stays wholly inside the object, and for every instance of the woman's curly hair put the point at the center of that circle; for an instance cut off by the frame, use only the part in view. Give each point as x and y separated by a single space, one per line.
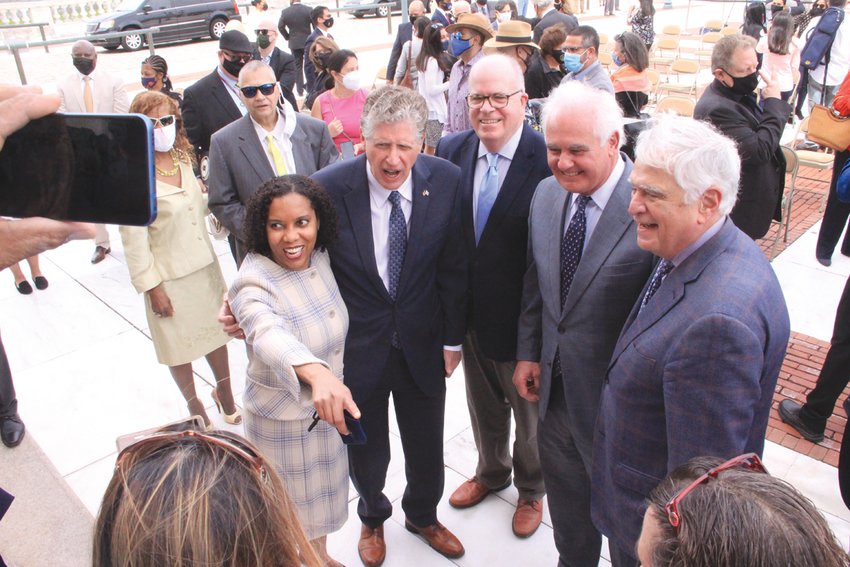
257 212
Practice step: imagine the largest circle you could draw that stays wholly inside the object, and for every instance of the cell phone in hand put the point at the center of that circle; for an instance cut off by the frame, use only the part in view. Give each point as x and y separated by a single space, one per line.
356 434
347 150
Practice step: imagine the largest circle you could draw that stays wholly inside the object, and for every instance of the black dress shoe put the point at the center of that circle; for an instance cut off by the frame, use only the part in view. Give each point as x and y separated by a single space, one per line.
41 282
100 253
12 430
824 261
789 412
24 288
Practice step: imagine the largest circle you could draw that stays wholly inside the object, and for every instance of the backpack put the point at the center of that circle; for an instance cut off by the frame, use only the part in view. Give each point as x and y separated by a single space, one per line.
820 39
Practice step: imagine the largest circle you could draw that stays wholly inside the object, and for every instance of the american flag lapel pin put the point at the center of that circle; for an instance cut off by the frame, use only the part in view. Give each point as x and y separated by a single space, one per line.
425 193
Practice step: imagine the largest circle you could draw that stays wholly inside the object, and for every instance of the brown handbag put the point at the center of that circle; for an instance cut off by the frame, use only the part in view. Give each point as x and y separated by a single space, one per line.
828 128
407 80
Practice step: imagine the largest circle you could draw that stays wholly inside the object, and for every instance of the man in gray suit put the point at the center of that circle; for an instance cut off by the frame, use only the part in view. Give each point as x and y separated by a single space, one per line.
271 140
571 316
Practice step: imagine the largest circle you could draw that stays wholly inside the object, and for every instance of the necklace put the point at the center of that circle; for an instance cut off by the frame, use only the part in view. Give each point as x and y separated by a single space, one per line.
170 172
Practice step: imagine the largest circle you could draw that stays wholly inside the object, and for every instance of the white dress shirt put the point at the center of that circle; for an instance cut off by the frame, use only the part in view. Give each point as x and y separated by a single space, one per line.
281 132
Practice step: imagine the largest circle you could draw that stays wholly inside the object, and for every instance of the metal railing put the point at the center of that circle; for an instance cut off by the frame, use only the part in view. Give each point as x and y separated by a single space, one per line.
16 47
39 25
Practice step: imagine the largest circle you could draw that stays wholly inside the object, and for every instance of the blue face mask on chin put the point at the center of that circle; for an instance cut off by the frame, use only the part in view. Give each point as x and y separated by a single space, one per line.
572 62
459 45
616 60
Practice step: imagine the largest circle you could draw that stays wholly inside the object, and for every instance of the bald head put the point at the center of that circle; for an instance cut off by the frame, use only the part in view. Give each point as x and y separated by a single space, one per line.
84 56
415 9
499 64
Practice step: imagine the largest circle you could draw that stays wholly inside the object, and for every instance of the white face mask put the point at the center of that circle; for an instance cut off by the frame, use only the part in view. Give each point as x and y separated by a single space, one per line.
351 81
163 138
503 16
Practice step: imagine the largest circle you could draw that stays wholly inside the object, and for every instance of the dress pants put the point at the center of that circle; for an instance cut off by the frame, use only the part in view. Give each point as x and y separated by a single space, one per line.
8 401
835 216
298 54
101 236
835 372
619 558
490 396
420 423
565 457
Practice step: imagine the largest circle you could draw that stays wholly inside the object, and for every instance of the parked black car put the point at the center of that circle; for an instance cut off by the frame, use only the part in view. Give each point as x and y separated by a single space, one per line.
381 11
176 19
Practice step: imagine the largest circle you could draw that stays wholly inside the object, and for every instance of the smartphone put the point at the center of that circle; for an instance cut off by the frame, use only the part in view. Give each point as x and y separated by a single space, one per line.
347 150
80 167
356 433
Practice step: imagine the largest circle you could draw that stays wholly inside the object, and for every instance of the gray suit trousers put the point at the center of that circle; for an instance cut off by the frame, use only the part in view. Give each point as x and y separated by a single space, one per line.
491 395
565 457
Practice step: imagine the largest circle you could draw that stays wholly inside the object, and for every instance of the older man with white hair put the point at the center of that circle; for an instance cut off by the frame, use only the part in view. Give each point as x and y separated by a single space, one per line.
584 273
694 369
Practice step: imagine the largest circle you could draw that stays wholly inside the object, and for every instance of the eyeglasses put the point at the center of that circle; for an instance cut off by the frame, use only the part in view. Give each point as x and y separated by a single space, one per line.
262 32
162 120
234 57
496 100
749 461
231 443
266 89
574 50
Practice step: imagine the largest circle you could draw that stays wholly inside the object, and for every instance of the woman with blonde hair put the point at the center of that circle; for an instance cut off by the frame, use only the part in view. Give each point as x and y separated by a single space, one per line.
172 263
319 54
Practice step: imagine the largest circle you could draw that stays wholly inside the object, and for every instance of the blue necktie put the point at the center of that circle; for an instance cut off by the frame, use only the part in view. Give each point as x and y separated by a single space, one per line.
658 276
397 242
487 193
572 247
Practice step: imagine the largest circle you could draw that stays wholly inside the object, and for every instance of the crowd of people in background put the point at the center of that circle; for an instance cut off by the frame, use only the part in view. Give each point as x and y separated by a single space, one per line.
477 209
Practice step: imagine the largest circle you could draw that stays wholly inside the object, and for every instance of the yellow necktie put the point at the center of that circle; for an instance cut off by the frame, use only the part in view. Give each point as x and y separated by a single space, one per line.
277 157
87 98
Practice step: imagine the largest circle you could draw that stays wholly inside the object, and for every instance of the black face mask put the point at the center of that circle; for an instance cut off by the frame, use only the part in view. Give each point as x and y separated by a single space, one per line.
329 22
323 59
83 64
817 11
744 85
232 67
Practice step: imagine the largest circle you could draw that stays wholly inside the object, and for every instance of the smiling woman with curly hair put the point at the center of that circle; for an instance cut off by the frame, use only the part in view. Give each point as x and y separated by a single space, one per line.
287 302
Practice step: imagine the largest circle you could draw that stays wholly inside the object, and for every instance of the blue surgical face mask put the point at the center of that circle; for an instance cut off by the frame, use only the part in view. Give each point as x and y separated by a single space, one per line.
617 61
446 45
572 62
459 45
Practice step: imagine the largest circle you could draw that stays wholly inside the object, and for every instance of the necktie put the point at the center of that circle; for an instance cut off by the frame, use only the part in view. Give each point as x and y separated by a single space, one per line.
487 193
277 157
397 242
87 98
658 276
572 246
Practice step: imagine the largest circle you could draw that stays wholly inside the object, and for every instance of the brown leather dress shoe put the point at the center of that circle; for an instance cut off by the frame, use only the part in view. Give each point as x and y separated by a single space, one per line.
471 493
99 254
371 546
527 518
440 538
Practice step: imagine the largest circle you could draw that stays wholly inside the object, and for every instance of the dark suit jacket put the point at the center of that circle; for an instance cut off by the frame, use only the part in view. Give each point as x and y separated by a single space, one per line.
609 277
430 308
283 65
207 107
692 374
762 162
439 17
309 68
491 9
295 25
550 19
404 33
498 262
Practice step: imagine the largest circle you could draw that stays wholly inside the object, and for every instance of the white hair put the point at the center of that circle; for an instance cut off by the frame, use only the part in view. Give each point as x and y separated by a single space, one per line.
461 4
543 3
695 154
501 62
579 97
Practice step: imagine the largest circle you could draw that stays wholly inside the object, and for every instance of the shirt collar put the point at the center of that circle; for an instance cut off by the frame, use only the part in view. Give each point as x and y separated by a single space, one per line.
508 150
83 77
585 71
601 196
230 82
284 127
697 244
379 194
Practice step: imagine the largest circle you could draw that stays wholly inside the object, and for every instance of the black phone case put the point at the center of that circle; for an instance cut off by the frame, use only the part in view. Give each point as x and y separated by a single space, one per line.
356 434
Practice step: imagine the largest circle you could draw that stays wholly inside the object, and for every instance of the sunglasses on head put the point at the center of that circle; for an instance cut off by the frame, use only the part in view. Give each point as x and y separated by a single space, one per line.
162 120
250 92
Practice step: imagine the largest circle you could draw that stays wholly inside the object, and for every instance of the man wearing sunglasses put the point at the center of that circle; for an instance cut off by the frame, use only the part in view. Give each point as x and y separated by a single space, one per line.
271 140
281 62
694 370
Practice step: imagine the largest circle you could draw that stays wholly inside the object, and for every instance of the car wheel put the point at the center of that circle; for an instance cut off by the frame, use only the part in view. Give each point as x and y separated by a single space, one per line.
133 42
217 28
382 11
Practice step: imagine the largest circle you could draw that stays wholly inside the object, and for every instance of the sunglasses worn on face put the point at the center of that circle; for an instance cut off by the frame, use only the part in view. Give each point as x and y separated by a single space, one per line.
250 92
749 461
235 57
162 120
262 32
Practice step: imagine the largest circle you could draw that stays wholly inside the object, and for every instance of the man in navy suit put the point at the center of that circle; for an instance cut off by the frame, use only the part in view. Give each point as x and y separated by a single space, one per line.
495 230
585 271
322 22
694 370
402 271
404 34
295 26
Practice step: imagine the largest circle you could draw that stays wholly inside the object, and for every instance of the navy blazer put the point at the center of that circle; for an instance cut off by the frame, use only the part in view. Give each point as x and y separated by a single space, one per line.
295 25
310 73
430 308
440 17
207 107
404 33
283 65
692 374
498 261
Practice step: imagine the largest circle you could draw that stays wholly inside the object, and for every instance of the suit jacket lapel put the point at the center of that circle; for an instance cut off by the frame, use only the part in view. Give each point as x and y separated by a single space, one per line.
421 195
609 229
359 210
556 215
220 94
75 90
253 150
300 151
468 159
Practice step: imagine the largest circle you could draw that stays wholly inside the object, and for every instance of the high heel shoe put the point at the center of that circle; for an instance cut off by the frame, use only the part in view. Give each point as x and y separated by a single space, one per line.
234 418
202 414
